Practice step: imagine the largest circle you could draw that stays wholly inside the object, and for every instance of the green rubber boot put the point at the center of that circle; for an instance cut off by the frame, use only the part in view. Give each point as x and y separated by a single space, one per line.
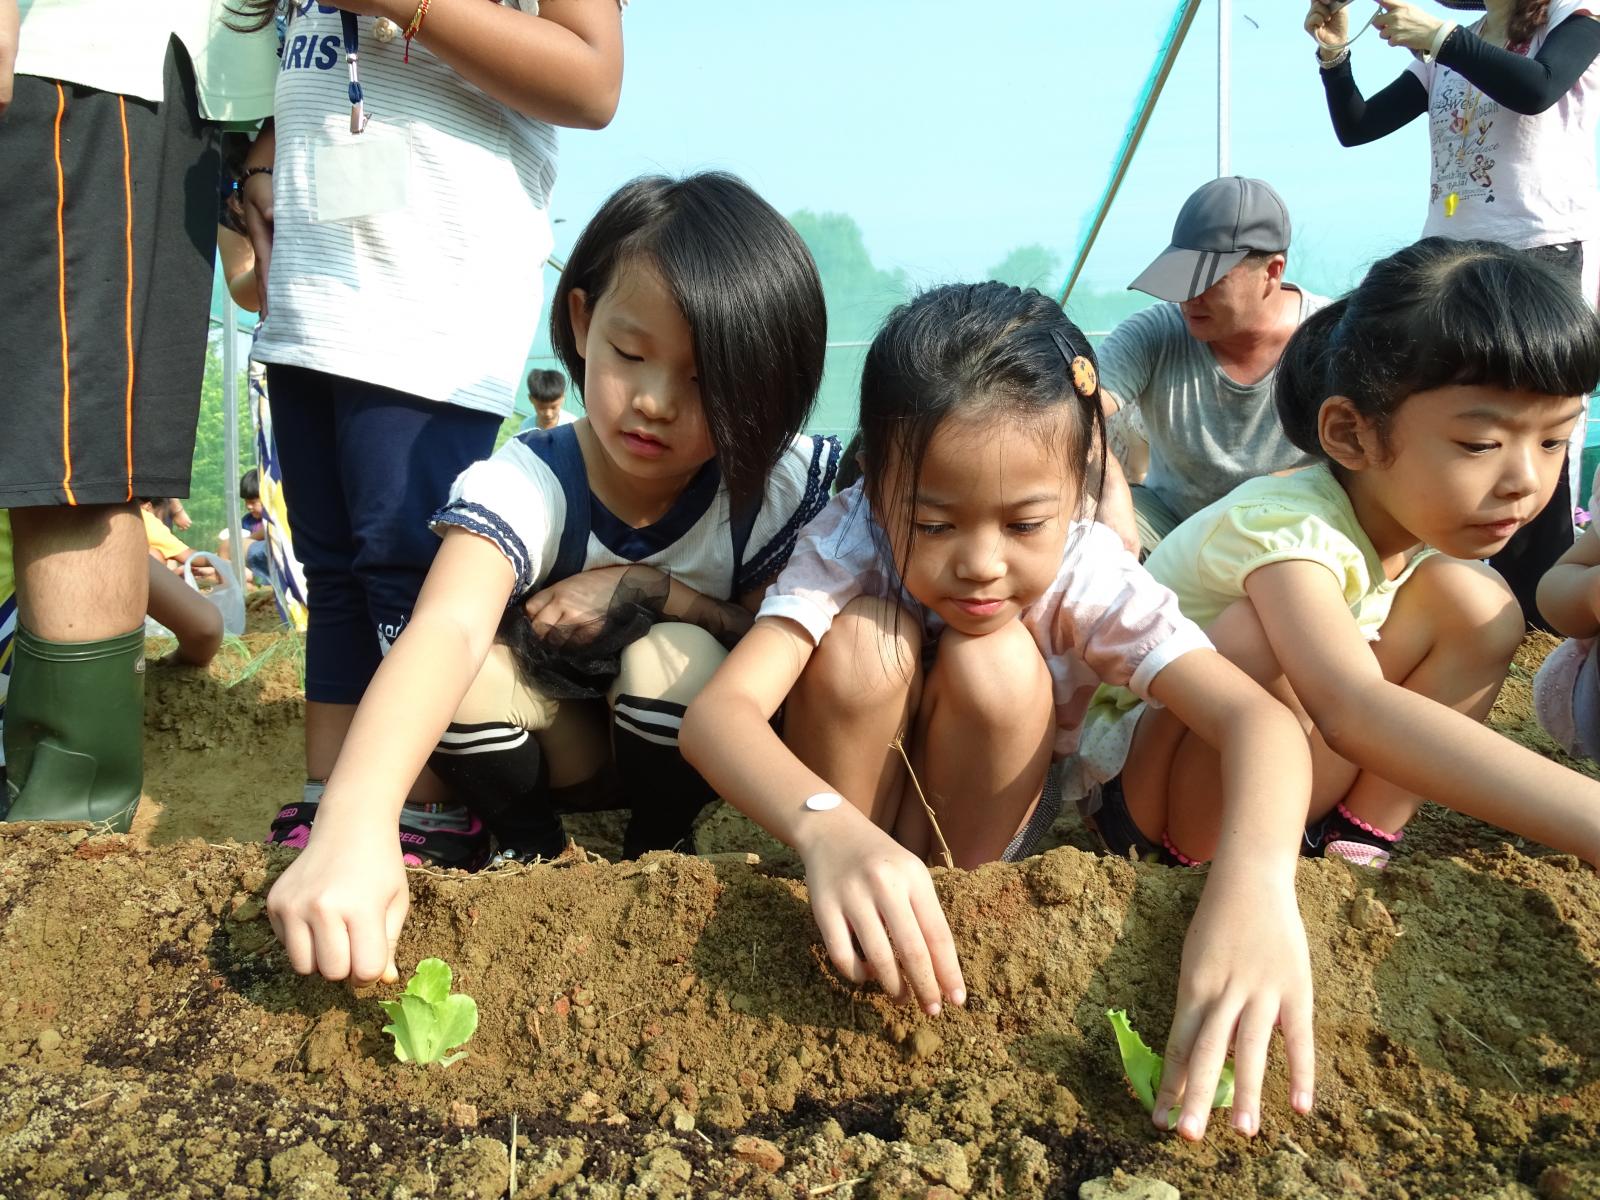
74 733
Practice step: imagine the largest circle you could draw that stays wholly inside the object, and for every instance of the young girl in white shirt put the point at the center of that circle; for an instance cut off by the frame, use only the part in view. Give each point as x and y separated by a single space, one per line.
955 603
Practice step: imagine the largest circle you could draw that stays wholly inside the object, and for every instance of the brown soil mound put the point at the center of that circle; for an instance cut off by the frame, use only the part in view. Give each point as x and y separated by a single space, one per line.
670 1028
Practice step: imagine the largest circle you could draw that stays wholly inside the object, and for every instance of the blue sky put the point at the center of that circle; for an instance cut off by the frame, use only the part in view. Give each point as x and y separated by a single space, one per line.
953 133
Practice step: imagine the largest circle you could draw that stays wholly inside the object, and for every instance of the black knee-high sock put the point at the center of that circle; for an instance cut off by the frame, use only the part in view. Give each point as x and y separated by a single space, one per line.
664 792
499 772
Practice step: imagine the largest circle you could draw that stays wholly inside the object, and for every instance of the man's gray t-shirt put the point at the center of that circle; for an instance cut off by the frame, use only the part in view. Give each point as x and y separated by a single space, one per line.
1208 433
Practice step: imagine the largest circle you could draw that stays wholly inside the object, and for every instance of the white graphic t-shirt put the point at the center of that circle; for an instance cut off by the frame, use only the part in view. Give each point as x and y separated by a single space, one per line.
1497 174
438 295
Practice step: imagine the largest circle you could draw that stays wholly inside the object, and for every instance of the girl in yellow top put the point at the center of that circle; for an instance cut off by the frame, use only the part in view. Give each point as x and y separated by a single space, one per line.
1438 396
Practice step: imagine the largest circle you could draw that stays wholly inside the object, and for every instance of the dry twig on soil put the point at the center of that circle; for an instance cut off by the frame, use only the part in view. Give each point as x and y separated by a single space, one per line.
513 1156
830 1188
944 846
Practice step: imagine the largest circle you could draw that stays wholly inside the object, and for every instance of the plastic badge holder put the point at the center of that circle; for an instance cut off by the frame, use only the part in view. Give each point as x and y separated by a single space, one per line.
228 596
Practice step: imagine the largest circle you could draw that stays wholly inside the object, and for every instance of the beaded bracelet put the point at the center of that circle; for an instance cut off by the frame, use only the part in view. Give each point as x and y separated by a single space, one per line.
1183 859
1372 829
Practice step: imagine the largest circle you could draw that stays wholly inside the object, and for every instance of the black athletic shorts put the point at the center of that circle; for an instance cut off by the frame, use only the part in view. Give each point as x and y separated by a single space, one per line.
108 228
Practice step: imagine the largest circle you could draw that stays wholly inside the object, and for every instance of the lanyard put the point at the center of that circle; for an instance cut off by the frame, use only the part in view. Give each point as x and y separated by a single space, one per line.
352 50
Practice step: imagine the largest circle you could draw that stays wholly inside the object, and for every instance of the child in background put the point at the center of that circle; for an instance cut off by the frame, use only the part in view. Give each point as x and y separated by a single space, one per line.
1566 690
392 338
166 547
693 315
258 568
255 528
1438 395
958 599
546 391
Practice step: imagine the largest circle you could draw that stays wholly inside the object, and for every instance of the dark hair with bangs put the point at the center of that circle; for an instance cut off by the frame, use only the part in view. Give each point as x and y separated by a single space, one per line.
545 386
748 289
982 349
1439 313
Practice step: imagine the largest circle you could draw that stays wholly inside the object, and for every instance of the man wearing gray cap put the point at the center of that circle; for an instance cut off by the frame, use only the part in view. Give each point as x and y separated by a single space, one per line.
1198 369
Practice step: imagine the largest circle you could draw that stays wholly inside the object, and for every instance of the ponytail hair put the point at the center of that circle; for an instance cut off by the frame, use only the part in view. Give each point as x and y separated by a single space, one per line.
1439 313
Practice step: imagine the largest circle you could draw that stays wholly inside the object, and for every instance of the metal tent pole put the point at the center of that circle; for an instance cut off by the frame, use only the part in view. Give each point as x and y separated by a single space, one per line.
1224 93
1182 19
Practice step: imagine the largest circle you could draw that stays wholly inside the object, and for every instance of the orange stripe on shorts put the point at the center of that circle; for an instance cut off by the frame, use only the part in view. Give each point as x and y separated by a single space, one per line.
127 307
61 302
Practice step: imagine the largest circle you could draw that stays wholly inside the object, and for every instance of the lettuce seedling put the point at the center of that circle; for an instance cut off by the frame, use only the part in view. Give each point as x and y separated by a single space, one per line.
1142 1066
427 1020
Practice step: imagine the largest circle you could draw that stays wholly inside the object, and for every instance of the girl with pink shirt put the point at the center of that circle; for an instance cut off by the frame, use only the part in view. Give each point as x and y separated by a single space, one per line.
956 605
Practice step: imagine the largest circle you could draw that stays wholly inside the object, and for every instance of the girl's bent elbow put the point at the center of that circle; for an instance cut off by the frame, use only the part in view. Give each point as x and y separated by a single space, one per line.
603 111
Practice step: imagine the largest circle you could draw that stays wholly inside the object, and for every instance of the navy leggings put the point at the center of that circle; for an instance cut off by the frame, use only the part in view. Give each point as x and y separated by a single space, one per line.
364 467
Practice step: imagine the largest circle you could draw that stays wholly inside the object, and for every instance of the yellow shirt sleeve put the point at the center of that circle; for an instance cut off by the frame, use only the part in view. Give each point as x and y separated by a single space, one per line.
162 539
1249 537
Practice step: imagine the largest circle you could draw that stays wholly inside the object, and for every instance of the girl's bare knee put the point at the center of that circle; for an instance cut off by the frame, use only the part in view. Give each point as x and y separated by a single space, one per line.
869 657
989 679
498 694
674 661
1474 609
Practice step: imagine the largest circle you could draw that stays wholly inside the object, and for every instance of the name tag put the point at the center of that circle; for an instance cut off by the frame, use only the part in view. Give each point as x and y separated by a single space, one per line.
360 175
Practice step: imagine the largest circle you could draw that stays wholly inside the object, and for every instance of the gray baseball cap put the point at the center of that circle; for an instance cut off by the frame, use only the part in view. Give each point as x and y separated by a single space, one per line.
1217 226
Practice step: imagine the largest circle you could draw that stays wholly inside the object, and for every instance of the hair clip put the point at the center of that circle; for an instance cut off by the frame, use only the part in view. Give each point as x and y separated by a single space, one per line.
1085 379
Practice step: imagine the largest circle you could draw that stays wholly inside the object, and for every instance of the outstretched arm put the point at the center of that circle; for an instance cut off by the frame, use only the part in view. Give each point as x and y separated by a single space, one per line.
339 906
1416 743
1246 966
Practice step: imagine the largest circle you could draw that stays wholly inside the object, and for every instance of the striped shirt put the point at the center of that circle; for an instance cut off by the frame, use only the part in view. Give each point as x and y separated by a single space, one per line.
439 299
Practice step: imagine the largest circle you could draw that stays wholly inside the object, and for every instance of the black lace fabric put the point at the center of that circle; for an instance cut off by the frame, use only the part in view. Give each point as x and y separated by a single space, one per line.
581 661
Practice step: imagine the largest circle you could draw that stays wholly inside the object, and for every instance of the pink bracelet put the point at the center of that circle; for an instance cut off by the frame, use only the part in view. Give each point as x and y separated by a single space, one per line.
1372 829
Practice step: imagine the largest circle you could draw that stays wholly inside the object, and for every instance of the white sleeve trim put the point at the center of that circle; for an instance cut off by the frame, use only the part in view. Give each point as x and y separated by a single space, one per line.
1174 648
807 614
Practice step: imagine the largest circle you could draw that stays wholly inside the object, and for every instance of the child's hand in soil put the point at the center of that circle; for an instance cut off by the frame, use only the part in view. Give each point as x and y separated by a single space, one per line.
1245 969
339 906
880 918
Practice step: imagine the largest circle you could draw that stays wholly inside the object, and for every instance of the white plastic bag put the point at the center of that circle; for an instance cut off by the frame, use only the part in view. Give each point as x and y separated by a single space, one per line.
227 595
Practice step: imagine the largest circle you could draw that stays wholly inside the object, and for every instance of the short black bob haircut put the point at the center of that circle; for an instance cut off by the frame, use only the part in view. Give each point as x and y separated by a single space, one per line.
545 386
1439 313
986 350
749 291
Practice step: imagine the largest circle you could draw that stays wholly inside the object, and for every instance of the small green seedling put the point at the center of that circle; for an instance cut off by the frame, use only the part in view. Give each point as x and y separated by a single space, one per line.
1142 1066
427 1019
